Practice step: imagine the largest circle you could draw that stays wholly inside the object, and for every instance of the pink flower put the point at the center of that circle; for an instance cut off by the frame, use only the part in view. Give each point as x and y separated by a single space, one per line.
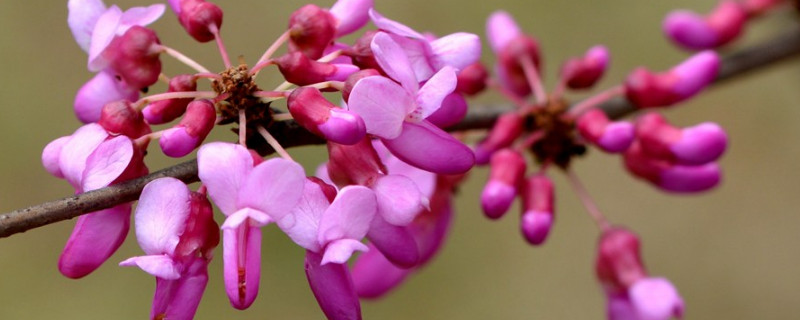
694 32
645 89
248 195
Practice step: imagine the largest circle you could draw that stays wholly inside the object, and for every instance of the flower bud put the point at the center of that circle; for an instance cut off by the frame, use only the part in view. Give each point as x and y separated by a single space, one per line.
619 262
311 29
452 111
102 89
312 111
695 145
537 208
190 132
510 69
353 79
350 15
199 18
135 57
645 89
584 72
669 176
695 32
164 111
472 79
361 52
613 137
507 129
119 118
505 176
354 164
297 68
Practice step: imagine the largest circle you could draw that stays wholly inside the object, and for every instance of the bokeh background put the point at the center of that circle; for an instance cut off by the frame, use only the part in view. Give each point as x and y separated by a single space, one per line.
733 252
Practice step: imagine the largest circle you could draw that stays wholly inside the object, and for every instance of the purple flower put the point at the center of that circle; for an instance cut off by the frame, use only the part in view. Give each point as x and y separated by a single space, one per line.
249 195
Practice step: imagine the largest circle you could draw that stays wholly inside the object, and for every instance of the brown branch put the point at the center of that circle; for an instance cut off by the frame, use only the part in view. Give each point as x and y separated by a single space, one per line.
290 134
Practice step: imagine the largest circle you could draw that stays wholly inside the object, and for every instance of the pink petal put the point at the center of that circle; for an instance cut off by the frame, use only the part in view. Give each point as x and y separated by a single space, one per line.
425 181
655 299
82 16
382 104
500 30
427 147
394 242
430 96
222 168
399 199
619 308
349 216
107 163
457 50
140 16
690 30
272 187
340 251
176 142
374 275
104 32
178 299
696 73
351 14
689 179
95 238
246 217
102 89
160 217
430 232
392 26
453 110
242 264
333 288
161 266
393 60
75 152
700 144
419 55
51 154
302 223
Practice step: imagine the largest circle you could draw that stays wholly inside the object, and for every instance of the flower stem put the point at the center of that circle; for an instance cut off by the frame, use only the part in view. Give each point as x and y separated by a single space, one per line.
532 74
587 201
273 47
595 100
274 143
183 58
173 95
222 51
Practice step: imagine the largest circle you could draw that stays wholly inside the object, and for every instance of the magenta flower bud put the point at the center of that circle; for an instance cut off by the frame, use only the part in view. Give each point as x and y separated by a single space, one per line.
353 79
164 111
135 56
695 145
311 29
361 52
119 118
187 135
655 298
333 287
695 32
472 79
619 263
299 69
452 111
584 72
351 15
199 18
613 137
508 128
669 176
501 29
645 89
507 169
537 208
312 111
509 67
102 89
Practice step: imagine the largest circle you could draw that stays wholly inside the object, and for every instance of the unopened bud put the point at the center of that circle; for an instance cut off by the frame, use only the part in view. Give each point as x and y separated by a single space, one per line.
135 57
508 128
311 29
198 17
505 176
472 79
669 176
119 118
164 111
361 52
613 137
354 164
645 89
187 135
299 69
695 145
619 262
696 32
538 215
584 72
312 111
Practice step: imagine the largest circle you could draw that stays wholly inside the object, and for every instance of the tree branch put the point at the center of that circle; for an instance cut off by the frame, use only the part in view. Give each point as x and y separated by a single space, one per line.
290 134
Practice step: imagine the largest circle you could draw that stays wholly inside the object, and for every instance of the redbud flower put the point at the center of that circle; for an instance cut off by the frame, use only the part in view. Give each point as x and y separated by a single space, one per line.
472 79
301 70
584 72
506 130
312 111
201 19
613 137
511 45
645 89
505 177
694 32
451 112
164 111
135 56
187 135
120 117
537 208
670 176
695 145
102 89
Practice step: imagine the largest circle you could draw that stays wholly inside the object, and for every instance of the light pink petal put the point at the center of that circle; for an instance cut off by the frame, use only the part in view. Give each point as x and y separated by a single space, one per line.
104 32
393 27
382 104
655 299
102 89
160 217
246 217
374 275
419 54
107 163
453 110
322 173
501 29
222 168
302 223
394 242
425 181
619 308
340 251
457 50
242 264
93 240
351 14
140 16
75 152
333 288
161 266
427 147
393 60
431 232
51 154
273 187
349 216
178 299
430 96
399 199
82 16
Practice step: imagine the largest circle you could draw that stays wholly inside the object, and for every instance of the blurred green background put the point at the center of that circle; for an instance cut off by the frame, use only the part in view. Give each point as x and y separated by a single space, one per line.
733 253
